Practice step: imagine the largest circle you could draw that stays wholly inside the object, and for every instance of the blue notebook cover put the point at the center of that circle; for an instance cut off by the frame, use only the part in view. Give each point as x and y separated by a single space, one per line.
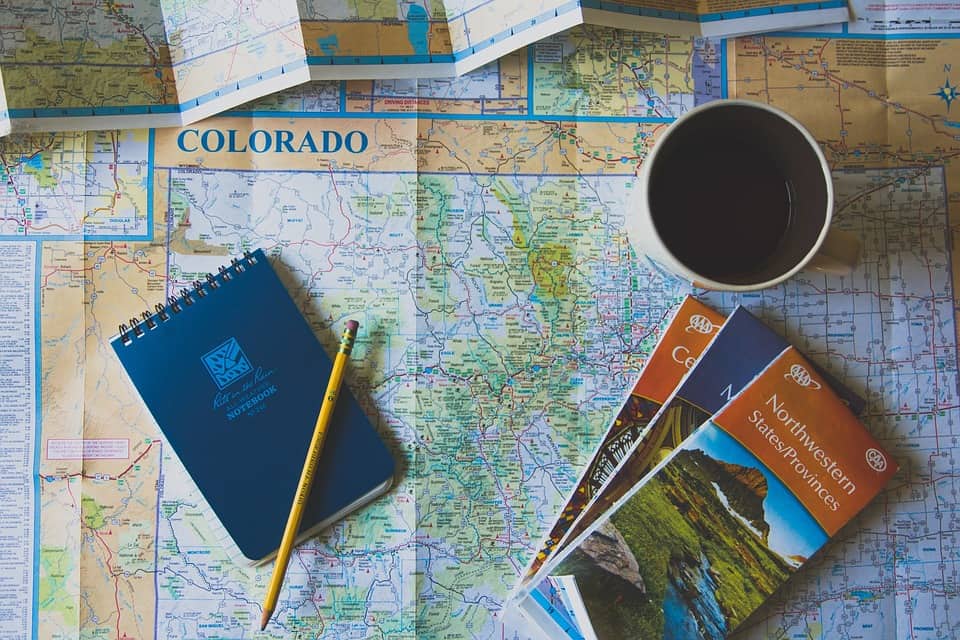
235 377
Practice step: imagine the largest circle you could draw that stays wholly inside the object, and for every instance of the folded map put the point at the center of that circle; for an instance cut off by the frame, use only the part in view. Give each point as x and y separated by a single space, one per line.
108 65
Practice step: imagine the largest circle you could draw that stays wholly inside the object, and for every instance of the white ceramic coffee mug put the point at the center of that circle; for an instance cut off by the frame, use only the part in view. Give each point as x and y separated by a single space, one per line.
687 232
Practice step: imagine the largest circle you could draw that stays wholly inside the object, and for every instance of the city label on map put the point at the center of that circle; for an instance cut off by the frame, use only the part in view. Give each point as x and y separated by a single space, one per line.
88 448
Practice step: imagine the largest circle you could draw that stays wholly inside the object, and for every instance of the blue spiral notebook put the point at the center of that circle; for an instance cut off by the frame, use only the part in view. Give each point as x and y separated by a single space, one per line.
235 377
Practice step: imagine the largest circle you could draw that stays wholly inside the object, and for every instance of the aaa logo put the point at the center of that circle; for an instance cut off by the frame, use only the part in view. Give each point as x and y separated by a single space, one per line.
701 324
799 374
876 460
227 363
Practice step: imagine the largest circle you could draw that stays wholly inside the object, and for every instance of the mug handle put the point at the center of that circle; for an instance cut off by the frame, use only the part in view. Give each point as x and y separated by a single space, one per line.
838 254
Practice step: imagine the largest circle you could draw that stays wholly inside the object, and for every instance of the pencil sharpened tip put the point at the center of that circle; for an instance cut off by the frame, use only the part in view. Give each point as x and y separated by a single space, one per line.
265 618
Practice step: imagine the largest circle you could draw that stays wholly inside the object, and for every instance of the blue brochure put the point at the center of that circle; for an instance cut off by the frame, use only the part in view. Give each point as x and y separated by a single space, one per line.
235 377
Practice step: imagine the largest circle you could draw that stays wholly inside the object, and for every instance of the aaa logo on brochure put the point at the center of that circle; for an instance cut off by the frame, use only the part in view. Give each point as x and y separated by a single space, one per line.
876 460
701 324
799 374
227 363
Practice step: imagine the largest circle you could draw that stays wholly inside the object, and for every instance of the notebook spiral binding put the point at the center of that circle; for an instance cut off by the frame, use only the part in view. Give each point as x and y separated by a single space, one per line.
134 328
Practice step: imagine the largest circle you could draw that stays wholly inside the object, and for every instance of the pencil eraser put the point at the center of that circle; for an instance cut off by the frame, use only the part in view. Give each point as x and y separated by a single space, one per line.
352 326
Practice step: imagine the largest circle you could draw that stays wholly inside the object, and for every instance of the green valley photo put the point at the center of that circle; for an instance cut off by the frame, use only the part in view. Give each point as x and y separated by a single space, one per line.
689 556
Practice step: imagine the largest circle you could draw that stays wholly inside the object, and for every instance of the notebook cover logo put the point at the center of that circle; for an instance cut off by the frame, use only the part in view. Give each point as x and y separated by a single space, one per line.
227 363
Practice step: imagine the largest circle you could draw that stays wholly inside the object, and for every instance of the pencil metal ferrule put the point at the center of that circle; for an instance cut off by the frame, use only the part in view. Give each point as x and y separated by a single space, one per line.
346 342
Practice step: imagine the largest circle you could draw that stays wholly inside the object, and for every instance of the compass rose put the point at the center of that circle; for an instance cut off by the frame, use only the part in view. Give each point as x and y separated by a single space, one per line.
948 93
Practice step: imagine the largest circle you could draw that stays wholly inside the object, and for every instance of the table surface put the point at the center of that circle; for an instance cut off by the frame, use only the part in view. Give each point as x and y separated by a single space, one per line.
477 236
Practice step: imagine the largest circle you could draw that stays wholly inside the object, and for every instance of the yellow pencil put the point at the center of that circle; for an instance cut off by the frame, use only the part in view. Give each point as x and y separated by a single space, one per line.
309 467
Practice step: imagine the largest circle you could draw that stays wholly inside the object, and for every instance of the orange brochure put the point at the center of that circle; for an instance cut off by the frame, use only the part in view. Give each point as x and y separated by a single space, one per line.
691 329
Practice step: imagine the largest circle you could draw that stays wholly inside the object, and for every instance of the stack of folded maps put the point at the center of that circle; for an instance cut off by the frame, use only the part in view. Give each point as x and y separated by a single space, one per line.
160 64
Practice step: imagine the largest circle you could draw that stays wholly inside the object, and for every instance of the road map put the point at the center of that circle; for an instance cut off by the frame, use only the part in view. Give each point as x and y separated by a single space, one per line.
71 65
474 227
89 65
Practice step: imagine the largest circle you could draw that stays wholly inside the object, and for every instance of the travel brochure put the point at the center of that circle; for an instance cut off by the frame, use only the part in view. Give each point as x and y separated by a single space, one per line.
741 348
691 329
717 503
125 65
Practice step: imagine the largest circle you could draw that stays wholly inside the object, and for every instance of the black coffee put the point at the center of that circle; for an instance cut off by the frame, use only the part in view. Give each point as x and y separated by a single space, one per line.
720 204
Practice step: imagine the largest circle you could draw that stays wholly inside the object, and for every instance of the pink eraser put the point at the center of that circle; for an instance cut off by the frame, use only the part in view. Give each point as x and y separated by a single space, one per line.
352 326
